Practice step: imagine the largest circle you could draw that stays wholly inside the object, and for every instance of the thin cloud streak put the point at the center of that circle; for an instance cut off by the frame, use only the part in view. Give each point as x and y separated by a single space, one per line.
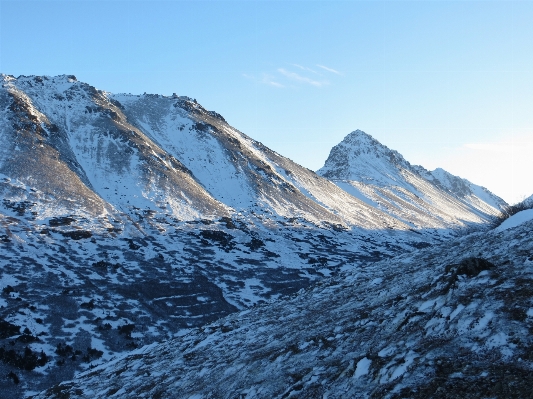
299 78
329 69
305 68
283 78
265 79
273 83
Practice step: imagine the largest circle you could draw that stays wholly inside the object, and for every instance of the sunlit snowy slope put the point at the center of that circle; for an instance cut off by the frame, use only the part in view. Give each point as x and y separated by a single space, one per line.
382 178
82 148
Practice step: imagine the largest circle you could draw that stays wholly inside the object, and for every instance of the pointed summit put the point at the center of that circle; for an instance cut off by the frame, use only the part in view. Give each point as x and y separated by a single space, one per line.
381 177
361 157
358 134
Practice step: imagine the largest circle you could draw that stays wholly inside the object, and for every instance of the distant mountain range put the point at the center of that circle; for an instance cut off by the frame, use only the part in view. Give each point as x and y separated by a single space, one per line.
128 219
76 148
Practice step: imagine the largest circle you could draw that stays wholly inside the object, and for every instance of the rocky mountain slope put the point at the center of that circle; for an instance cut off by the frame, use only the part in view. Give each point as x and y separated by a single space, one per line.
451 321
382 178
130 219
79 147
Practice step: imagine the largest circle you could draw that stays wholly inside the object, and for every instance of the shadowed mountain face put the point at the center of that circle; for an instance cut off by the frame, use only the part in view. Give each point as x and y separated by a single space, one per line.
382 178
129 219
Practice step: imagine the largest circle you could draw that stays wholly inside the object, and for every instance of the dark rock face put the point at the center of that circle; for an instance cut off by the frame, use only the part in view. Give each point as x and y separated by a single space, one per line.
473 266
470 267
77 234
8 329
61 221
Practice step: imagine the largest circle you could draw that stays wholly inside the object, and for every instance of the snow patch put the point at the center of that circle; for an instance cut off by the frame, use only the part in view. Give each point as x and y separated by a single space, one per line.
516 220
362 367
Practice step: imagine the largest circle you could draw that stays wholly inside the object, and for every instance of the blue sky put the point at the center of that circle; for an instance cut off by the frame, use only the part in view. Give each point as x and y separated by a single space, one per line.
446 83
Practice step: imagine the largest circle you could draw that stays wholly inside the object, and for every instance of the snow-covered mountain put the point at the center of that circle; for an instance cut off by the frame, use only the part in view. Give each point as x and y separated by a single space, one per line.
78 147
102 153
381 177
129 219
451 321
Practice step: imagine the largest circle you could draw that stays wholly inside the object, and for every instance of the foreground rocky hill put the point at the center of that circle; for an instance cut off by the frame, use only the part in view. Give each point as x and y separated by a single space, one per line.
451 321
68 283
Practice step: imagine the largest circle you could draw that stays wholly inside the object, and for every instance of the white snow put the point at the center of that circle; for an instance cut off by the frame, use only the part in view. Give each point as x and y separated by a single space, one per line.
402 368
516 220
376 281
362 367
459 308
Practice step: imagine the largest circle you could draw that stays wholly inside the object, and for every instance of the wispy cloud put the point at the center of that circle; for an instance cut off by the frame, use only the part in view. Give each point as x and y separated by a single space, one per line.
292 76
304 68
265 79
303 79
329 69
274 83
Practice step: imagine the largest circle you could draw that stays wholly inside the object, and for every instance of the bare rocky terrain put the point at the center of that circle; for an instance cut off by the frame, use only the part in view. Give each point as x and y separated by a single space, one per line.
450 321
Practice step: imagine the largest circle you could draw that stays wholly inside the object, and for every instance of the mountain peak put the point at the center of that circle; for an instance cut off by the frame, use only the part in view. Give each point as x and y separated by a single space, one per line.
358 133
359 138
359 156
371 171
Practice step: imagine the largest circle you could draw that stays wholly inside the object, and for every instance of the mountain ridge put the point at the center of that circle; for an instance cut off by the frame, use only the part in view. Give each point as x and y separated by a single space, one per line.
383 178
162 143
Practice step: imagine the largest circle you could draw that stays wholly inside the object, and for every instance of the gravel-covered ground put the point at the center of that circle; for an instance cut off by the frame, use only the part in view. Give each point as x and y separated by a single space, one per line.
451 321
